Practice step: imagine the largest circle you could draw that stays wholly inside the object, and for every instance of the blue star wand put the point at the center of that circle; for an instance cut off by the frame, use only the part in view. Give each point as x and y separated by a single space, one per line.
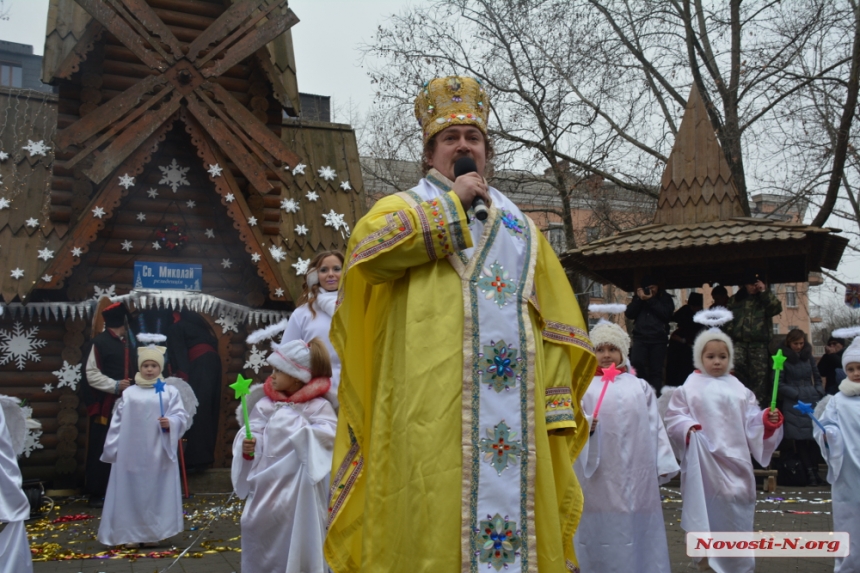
159 389
805 408
242 388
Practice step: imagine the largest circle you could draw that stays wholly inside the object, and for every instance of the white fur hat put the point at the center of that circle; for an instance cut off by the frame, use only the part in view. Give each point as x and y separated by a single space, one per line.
705 337
605 332
293 358
851 354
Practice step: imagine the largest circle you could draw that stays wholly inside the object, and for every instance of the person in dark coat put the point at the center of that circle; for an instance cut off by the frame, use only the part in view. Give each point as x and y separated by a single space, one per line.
110 368
830 363
651 310
192 350
679 358
800 381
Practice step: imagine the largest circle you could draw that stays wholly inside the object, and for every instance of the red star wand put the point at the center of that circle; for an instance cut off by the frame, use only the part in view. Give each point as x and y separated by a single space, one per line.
609 375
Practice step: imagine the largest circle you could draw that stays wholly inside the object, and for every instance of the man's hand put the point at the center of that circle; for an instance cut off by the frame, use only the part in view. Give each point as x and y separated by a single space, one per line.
760 286
123 384
642 296
469 186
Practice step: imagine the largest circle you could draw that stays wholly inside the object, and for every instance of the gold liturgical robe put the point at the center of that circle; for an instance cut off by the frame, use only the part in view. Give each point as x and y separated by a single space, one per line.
465 357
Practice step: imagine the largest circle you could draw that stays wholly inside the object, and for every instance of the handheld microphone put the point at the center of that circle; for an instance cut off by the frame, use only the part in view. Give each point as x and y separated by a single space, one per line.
467 165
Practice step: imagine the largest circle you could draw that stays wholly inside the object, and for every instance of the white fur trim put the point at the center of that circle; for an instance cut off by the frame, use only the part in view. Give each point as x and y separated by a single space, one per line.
150 337
716 316
605 332
849 388
607 308
312 278
268 332
850 332
851 354
705 337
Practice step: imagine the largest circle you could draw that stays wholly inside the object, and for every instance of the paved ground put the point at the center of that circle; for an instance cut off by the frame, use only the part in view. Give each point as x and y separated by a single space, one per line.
215 529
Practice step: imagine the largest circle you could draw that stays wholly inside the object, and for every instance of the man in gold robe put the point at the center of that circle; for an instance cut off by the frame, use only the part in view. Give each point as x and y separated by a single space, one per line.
464 360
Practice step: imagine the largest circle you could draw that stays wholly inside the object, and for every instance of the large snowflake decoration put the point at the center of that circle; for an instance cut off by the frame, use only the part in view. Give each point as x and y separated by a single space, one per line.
301 266
68 375
36 147
98 212
277 253
312 196
126 181
173 175
126 245
31 442
301 230
346 186
290 205
228 323
109 292
335 220
20 345
327 173
17 273
32 222
256 360
215 170
46 254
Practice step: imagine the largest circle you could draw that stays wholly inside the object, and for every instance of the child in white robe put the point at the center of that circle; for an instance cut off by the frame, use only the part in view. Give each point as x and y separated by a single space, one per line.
143 504
715 423
283 468
14 507
625 460
841 420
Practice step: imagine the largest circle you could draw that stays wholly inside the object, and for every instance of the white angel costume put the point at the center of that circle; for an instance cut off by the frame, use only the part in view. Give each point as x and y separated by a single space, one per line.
303 325
14 507
840 416
143 503
620 470
284 521
717 481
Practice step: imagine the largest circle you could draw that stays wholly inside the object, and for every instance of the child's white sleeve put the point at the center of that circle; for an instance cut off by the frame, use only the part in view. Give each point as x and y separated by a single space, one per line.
111 448
832 449
667 465
314 441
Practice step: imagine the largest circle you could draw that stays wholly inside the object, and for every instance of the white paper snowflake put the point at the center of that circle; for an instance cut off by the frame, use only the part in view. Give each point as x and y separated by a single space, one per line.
289 205
210 233
256 257
4 203
346 186
156 245
225 263
31 442
47 278
312 196
301 266
335 220
126 245
215 170
300 168
229 197
190 204
279 292
109 292
174 176
141 217
301 230
327 173
98 212
32 222
153 193
46 254
3 156
48 388
17 273
256 360
126 181
228 323
77 251
277 253
36 147
252 221
68 375
20 345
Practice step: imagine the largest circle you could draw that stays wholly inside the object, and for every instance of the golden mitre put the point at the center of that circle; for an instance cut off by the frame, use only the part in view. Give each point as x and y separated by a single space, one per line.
455 100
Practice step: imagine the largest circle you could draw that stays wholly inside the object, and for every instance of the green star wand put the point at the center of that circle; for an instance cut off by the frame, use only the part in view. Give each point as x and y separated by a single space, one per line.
778 365
242 388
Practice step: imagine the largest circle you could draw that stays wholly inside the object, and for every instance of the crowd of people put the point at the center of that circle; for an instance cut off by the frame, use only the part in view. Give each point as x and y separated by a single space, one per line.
436 403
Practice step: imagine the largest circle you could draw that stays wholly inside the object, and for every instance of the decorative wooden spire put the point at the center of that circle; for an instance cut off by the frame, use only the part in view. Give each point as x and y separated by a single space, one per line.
697 185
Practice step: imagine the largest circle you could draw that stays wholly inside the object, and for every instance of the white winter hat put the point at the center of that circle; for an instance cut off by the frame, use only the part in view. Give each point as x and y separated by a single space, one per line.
605 332
293 358
851 354
707 336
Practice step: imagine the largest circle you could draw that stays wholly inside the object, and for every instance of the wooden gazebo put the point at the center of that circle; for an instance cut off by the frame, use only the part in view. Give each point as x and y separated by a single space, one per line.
700 233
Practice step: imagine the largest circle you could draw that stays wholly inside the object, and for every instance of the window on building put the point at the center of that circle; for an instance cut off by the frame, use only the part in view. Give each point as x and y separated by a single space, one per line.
791 296
556 238
596 290
592 322
776 328
774 288
11 76
592 234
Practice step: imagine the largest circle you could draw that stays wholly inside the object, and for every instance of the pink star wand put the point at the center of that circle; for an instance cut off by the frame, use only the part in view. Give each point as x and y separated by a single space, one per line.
609 375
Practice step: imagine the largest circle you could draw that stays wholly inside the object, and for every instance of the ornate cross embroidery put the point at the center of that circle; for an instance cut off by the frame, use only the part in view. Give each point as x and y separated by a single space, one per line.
500 447
497 284
503 365
501 541
514 226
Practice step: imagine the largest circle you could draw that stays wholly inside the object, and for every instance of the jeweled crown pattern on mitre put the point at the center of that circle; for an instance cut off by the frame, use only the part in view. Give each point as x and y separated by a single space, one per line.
455 100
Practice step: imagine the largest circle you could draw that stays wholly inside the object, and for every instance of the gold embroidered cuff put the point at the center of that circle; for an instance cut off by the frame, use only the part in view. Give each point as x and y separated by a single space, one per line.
397 228
445 226
559 410
567 334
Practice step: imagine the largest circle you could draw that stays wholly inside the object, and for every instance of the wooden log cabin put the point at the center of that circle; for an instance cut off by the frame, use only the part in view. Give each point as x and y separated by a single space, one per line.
176 136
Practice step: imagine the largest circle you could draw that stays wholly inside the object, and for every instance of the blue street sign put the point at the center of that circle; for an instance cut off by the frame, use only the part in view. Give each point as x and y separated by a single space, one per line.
167 276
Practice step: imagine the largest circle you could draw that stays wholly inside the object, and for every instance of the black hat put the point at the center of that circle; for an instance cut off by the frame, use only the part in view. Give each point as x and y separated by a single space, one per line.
115 315
649 280
833 339
695 299
752 276
719 290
